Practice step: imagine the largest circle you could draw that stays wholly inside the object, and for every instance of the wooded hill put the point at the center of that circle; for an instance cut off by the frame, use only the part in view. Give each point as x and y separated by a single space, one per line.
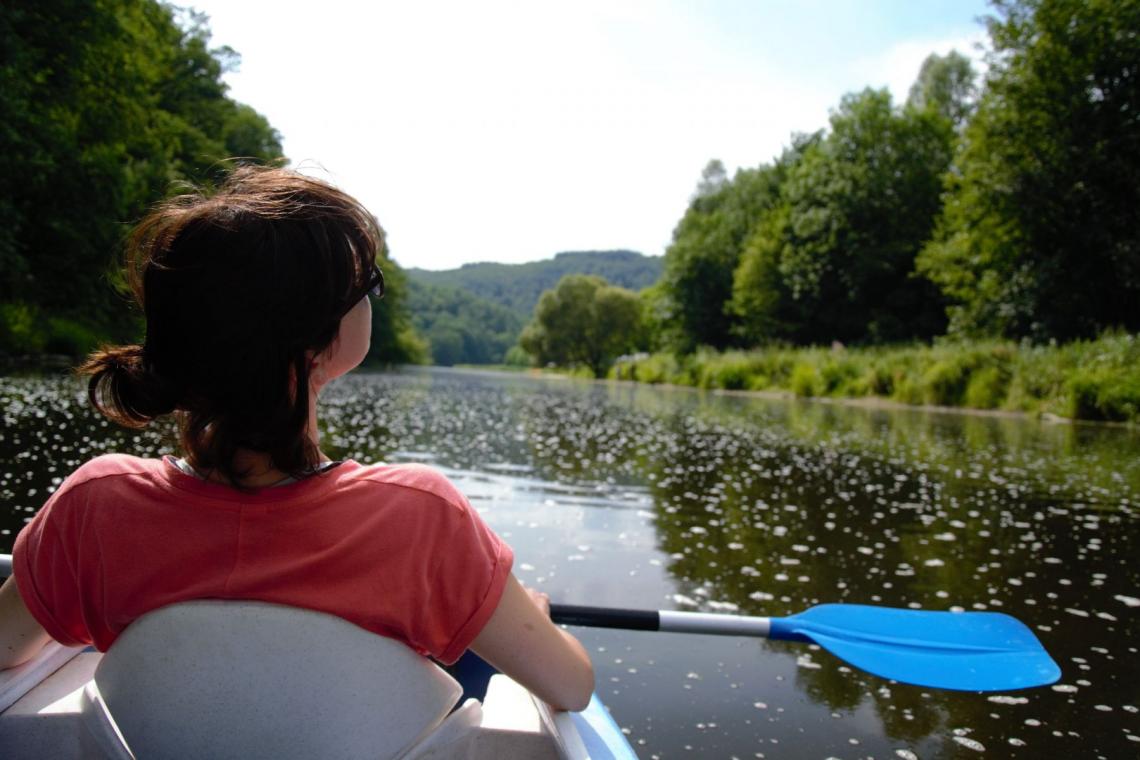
518 286
461 328
474 314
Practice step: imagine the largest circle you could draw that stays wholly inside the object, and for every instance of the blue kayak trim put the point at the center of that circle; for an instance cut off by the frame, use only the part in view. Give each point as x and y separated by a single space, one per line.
600 734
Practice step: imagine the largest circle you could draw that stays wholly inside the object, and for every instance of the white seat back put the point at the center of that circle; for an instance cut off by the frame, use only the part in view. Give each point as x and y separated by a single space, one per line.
213 679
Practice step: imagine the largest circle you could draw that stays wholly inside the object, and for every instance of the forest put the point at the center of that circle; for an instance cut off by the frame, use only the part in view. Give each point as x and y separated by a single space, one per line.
984 216
1003 208
107 108
934 250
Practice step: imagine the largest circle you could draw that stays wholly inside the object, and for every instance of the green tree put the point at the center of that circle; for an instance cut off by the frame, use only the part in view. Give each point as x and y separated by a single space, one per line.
761 301
714 177
948 85
1040 237
583 321
104 106
835 259
707 244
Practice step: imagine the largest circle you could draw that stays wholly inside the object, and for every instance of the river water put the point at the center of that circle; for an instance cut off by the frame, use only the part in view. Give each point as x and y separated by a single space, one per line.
635 496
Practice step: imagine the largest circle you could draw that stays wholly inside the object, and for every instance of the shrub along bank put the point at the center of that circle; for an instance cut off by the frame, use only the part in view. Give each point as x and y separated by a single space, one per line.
1091 380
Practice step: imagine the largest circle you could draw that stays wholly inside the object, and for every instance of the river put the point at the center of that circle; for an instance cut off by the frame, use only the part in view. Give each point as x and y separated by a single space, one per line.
636 496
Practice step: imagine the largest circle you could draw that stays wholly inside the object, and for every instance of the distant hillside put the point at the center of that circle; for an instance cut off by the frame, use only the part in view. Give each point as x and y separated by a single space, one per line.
518 286
461 328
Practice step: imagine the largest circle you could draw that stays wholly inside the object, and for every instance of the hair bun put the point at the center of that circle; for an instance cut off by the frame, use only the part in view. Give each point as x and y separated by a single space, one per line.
125 389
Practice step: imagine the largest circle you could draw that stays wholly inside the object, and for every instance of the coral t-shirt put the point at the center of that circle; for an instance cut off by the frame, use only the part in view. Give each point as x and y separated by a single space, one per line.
397 550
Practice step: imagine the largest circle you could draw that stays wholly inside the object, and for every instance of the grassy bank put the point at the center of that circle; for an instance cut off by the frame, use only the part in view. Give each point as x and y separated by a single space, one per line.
1092 380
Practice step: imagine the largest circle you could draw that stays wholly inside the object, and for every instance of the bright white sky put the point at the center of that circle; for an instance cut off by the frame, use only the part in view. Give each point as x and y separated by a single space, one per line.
509 131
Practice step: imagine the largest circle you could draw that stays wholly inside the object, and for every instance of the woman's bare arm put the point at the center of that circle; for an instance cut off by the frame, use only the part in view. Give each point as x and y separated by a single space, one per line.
520 641
21 635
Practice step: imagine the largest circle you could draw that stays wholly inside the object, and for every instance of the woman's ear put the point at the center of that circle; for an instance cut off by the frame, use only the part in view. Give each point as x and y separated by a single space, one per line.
317 374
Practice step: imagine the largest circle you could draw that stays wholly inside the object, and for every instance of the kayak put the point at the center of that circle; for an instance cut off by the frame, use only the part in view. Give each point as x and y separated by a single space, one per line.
48 721
219 679
54 707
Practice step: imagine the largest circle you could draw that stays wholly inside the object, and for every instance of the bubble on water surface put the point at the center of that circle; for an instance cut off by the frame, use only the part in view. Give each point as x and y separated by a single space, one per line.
969 743
905 754
1129 601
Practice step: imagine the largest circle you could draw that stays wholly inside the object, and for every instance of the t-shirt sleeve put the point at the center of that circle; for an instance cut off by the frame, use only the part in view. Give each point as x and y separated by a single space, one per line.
467 575
43 564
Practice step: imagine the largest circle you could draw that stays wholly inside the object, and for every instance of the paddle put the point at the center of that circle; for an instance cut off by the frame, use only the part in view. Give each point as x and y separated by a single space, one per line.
966 651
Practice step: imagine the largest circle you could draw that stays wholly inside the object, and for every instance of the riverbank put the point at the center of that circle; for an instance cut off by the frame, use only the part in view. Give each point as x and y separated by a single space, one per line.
1085 380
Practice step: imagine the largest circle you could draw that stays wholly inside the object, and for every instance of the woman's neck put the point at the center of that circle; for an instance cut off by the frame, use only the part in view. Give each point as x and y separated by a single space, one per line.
258 465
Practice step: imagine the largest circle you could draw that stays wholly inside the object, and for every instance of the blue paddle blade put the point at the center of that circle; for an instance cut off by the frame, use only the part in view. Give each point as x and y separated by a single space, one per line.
967 651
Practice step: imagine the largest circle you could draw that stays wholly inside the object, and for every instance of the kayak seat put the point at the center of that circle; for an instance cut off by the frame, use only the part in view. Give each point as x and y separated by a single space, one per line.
226 679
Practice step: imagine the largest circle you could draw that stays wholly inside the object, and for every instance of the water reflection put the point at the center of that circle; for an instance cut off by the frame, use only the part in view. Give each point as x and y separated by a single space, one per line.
913 510
637 496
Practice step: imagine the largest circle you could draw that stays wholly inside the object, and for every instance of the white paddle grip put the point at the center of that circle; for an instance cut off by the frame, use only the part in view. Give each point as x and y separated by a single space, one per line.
708 622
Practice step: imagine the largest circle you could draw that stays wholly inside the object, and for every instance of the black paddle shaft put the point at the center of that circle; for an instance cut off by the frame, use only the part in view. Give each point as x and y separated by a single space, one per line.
606 617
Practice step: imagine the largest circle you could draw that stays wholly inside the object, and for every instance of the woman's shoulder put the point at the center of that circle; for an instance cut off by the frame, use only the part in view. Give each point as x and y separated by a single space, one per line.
111 466
420 478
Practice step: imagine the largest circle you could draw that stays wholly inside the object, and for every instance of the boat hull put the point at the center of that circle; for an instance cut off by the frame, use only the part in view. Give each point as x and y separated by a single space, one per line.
48 720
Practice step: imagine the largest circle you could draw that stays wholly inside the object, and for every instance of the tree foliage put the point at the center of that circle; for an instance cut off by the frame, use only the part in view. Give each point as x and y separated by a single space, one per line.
583 321
1040 235
706 248
835 260
108 106
462 328
104 106
946 84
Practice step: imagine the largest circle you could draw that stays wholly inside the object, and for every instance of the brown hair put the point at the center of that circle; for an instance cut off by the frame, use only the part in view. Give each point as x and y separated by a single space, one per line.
241 288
